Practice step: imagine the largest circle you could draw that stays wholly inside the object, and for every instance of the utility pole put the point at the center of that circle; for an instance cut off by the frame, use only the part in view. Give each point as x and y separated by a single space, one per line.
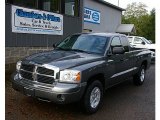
118 2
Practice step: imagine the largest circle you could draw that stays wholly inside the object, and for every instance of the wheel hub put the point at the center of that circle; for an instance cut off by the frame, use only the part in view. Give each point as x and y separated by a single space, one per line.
142 75
95 97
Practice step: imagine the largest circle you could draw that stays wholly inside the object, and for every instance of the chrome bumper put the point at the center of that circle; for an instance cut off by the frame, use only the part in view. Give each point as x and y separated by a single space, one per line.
58 92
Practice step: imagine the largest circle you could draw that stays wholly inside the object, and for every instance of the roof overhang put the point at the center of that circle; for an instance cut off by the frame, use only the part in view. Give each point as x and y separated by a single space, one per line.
110 5
126 29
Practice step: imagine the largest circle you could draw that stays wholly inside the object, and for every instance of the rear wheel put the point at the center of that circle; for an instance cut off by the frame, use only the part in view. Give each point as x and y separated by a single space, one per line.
139 78
93 97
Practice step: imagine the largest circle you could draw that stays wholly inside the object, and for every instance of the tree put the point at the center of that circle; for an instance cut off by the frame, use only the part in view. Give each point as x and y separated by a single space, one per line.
135 10
152 27
144 22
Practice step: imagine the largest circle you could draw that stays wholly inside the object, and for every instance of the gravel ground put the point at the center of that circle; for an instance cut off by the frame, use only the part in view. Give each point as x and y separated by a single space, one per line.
122 102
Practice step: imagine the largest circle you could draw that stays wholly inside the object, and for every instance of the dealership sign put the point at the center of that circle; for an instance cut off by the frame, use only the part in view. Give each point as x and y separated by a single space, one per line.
26 20
92 16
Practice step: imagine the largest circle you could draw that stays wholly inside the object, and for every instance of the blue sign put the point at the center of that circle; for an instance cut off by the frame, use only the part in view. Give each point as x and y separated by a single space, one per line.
32 14
92 16
95 16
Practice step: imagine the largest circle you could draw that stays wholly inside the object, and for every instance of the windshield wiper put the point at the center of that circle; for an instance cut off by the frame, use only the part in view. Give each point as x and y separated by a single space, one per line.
77 50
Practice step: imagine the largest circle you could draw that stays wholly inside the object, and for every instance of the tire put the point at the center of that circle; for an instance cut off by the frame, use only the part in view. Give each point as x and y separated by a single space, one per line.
139 78
93 97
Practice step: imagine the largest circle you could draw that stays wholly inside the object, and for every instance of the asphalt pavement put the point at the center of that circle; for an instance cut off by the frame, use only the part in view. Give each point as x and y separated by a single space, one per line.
122 102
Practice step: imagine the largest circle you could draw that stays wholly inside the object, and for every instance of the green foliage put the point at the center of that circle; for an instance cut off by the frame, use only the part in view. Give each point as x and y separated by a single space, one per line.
135 10
144 22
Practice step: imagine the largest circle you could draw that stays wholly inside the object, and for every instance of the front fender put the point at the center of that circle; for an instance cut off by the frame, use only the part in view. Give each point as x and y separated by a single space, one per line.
91 69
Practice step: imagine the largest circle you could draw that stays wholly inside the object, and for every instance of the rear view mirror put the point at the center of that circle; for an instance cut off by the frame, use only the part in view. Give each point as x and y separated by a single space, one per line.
118 50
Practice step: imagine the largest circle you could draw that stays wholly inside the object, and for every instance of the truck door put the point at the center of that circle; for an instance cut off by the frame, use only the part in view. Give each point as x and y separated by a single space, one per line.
128 58
122 62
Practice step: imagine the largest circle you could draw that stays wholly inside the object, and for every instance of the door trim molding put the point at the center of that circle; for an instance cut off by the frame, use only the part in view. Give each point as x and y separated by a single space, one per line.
123 72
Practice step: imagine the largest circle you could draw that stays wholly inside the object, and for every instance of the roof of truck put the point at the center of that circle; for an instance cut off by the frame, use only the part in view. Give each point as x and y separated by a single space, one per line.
102 34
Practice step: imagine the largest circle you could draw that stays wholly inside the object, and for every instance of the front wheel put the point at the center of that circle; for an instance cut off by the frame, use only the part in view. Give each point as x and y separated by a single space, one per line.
139 78
93 97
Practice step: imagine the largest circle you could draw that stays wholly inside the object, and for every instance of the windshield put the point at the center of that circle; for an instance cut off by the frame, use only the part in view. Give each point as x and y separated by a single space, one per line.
147 41
85 43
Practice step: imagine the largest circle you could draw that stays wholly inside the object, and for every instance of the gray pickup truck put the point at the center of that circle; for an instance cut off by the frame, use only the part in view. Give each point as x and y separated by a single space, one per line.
81 68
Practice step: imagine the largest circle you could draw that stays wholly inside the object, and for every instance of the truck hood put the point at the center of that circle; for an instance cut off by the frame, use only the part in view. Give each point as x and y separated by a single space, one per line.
151 46
62 59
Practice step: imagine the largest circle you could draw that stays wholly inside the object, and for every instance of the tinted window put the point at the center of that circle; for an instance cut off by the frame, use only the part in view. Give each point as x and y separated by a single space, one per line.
87 43
116 41
125 43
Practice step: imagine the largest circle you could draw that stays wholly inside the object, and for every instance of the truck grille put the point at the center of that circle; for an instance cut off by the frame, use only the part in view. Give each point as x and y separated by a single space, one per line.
26 75
44 79
37 73
45 71
27 67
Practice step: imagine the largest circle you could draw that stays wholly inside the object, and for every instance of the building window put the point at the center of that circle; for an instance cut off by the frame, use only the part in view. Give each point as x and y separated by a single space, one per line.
25 3
68 7
49 5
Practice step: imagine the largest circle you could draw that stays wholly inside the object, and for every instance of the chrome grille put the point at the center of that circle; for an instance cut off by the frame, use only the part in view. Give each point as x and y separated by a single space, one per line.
45 79
26 75
45 71
27 67
37 73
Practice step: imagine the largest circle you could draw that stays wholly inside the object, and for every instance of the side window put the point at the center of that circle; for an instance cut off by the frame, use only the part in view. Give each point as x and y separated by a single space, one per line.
116 41
130 39
137 40
125 43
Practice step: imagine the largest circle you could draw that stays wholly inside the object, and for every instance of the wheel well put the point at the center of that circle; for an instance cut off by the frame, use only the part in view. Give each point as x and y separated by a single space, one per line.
99 77
145 64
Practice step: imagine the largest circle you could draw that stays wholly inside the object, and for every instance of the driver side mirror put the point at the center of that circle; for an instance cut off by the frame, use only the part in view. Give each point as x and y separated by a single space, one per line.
118 50
143 43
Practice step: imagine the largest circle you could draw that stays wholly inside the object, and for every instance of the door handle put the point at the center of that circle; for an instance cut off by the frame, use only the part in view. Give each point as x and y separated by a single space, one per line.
123 59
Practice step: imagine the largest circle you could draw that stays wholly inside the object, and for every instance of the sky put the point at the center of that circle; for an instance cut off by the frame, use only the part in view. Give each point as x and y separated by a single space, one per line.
123 3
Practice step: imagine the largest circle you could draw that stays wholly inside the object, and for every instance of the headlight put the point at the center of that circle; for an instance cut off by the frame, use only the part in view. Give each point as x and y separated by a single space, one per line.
71 76
18 66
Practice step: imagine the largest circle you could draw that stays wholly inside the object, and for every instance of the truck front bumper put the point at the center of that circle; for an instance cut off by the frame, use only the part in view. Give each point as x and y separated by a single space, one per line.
58 92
